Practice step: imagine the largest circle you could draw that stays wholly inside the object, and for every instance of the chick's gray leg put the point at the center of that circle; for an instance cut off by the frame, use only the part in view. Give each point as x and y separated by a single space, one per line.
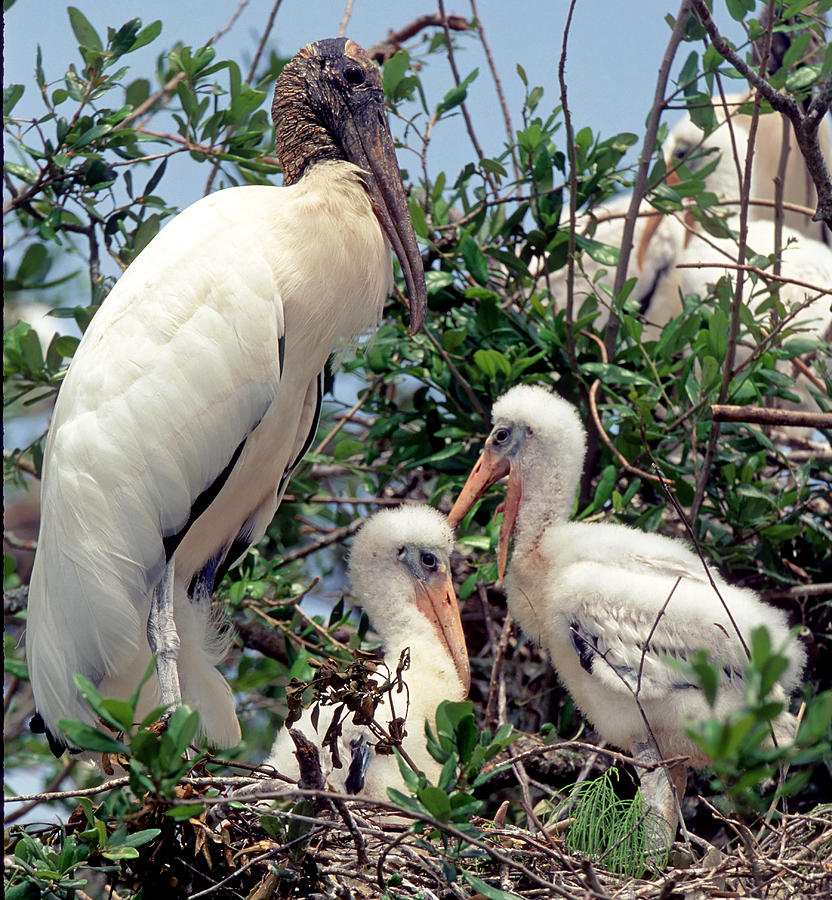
164 639
662 789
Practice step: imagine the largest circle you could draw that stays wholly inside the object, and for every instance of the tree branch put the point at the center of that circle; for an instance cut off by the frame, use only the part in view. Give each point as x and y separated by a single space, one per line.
758 415
805 125
640 184
383 50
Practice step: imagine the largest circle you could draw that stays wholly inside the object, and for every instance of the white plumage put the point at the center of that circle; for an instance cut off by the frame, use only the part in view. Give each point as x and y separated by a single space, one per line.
660 242
400 570
592 594
197 388
699 262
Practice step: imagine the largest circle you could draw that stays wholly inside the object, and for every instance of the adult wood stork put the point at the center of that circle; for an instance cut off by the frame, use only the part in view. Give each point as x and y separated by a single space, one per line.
400 572
607 602
196 391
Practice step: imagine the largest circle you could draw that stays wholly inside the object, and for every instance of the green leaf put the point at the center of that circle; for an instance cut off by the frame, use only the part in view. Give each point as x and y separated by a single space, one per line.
801 78
121 853
436 802
455 95
91 134
453 338
147 34
26 890
182 813
487 890
21 172
601 253
394 70
817 720
124 39
437 280
120 712
739 8
84 33
11 94
489 361
475 260
140 838
347 448
34 266
87 738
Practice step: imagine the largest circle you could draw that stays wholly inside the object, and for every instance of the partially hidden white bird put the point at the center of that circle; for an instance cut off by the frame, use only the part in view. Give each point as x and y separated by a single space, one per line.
649 265
805 294
608 602
660 240
196 390
400 573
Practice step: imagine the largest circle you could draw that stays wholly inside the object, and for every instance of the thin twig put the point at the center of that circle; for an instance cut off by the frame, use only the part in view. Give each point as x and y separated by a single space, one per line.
333 537
805 125
498 84
640 183
573 190
470 393
758 415
469 125
383 50
342 28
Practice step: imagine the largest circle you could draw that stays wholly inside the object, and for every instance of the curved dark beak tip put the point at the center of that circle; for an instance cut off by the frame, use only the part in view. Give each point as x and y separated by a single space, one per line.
417 320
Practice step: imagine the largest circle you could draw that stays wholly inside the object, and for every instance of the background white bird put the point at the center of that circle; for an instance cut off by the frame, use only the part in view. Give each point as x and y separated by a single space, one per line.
805 264
608 602
196 391
660 241
400 572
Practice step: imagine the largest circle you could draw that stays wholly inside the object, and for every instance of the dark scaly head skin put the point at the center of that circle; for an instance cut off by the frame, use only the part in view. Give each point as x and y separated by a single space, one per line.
329 105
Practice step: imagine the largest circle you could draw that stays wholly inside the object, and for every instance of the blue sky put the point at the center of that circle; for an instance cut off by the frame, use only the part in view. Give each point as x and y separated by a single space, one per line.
614 52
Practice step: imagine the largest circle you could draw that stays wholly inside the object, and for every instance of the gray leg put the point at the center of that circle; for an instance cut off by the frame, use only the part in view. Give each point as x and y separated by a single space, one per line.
164 640
660 789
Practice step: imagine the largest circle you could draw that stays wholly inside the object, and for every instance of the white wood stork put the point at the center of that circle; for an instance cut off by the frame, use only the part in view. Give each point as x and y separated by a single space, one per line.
649 266
803 259
400 573
607 601
197 389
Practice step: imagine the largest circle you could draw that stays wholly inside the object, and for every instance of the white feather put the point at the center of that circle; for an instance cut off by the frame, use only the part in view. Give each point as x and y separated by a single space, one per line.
384 586
195 324
612 582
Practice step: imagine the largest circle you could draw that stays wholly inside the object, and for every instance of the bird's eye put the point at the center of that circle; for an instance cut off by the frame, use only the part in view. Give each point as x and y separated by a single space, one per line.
354 75
681 152
501 435
429 560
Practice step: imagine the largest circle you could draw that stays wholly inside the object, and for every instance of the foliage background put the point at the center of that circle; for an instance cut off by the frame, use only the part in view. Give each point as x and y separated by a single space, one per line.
90 180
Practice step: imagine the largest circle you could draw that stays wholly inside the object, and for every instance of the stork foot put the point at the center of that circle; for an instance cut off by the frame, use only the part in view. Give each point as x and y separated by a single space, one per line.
164 639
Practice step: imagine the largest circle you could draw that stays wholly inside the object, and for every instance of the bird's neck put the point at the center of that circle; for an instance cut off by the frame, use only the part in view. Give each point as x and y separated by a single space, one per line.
431 677
301 139
549 487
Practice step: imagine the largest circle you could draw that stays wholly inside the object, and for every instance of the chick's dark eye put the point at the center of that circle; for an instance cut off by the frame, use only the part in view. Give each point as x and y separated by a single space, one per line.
354 75
501 435
429 560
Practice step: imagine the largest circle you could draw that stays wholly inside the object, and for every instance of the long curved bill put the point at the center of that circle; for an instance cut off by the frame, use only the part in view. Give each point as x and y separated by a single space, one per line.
368 143
653 224
490 468
437 602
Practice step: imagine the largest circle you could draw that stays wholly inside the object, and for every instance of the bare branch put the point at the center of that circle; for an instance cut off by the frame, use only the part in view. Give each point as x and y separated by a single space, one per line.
640 184
805 125
758 415
383 50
